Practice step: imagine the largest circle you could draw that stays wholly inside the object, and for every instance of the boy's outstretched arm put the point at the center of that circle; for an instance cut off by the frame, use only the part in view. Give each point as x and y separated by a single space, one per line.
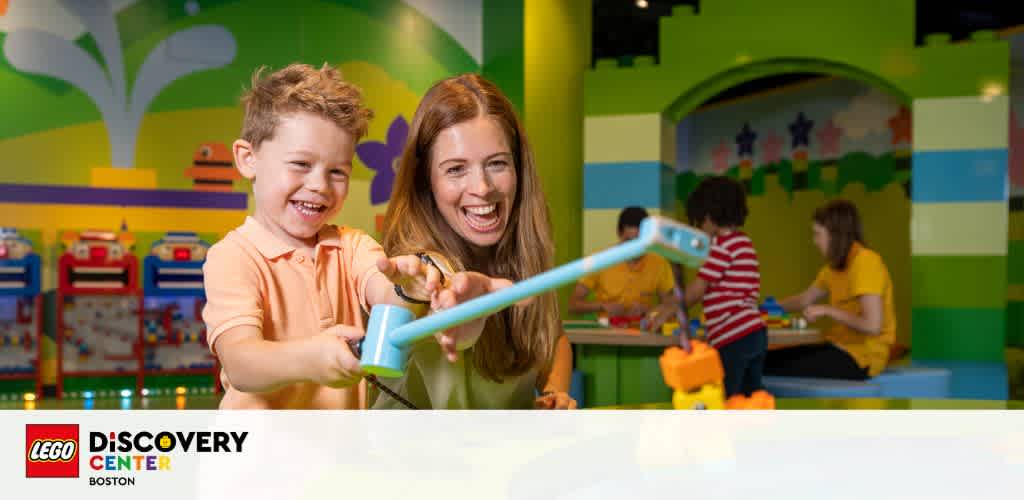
253 364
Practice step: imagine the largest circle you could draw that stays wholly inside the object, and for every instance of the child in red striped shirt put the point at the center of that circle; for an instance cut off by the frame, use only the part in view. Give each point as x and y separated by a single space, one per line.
729 284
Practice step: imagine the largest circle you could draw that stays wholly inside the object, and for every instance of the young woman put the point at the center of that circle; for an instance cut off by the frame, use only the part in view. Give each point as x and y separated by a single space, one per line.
468 195
860 304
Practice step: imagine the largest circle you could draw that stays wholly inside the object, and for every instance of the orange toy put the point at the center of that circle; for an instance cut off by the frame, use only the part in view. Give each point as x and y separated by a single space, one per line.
685 371
213 168
695 376
696 379
759 400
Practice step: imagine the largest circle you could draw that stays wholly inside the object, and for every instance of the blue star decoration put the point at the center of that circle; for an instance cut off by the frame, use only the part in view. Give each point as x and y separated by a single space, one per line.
745 140
801 130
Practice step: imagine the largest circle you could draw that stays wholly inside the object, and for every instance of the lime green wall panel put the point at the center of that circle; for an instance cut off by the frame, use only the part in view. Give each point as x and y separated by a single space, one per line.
599 227
985 119
624 138
957 228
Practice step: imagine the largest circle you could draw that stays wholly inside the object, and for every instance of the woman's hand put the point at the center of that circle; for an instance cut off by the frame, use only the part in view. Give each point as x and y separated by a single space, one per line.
463 287
660 315
418 280
816 311
868 321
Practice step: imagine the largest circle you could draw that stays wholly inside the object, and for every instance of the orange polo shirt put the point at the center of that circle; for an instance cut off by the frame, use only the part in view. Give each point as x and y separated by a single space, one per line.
253 278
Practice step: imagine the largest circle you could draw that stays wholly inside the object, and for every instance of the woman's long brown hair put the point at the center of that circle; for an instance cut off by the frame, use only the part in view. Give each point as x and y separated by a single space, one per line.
841 220
517 339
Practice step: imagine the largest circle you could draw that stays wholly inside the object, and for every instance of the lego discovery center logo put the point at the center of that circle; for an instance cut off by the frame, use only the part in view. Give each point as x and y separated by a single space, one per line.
53 450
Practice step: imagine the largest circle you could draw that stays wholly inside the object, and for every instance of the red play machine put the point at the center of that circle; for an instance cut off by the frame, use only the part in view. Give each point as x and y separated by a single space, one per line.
97 262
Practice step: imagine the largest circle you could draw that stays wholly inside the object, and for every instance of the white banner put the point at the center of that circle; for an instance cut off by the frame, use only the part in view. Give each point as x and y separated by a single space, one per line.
530 455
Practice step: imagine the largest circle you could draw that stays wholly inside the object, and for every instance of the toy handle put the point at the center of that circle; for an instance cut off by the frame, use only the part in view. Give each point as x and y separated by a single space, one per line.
496 301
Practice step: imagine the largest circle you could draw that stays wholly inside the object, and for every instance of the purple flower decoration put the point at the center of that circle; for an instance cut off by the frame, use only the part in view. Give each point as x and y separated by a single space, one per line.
382 158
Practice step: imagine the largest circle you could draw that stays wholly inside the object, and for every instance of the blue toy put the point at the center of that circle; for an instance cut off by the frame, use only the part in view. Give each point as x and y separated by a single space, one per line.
19 265
772 308
174 266
392 329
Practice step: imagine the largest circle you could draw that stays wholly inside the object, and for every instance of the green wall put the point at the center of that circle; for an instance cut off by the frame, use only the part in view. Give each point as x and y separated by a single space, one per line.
557 51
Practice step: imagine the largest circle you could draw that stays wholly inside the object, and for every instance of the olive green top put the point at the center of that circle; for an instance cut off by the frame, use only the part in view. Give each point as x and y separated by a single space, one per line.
433 382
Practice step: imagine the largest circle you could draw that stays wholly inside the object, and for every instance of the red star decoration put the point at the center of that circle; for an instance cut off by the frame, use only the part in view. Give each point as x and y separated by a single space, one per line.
1016 152
771 148
900 125
720 157
828 139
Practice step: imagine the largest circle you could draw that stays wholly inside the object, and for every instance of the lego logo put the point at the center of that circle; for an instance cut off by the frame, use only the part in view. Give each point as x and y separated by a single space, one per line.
52 450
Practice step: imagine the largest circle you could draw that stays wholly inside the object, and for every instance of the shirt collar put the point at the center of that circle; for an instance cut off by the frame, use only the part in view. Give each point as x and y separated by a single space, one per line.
271 247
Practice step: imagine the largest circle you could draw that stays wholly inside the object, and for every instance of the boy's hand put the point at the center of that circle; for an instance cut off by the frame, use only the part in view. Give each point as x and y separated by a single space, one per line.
336 365
417 279
463 287
614 309
554 401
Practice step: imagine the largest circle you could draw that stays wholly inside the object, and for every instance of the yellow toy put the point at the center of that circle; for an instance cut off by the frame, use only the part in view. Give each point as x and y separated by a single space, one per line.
669 328
708 397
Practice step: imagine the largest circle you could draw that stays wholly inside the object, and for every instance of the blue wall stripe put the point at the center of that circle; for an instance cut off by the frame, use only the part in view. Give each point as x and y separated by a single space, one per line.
965 175
618 185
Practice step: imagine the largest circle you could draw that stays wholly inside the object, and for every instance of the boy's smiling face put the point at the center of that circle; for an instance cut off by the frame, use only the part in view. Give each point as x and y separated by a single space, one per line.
300 175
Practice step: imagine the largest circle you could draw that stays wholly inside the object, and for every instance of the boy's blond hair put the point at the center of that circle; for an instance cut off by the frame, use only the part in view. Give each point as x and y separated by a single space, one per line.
301 87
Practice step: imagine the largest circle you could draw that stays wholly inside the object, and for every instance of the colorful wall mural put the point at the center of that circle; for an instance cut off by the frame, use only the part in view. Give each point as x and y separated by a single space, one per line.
126 109
119 114
820 135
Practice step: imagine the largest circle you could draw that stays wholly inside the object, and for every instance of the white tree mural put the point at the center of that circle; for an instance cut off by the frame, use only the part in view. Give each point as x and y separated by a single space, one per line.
187 51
